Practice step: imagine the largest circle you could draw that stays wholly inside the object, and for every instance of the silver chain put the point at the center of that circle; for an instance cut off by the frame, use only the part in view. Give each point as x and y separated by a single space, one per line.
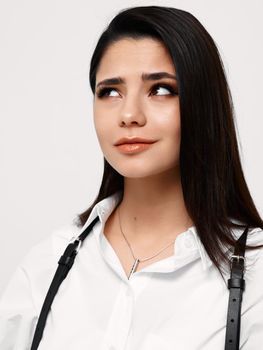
137 261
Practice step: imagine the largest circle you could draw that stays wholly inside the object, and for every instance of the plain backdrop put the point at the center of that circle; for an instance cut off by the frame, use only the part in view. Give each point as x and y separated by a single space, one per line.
51 161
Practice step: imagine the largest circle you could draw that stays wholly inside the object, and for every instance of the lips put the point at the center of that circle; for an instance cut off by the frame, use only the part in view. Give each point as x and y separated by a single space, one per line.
129 140
130 148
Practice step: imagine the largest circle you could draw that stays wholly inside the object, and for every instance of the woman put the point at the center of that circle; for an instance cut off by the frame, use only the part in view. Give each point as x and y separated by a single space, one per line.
152 272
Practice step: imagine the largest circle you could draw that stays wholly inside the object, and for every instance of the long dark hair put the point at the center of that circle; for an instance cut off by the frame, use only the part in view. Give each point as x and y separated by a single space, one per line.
215 191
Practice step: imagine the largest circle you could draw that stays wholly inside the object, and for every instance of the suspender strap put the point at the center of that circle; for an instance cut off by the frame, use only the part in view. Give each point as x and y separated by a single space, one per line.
65 263
236 285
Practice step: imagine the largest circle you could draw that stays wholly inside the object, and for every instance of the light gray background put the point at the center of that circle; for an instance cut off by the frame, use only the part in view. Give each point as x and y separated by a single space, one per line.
51 162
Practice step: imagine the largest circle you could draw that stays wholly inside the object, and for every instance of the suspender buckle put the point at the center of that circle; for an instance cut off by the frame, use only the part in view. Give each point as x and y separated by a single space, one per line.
237 257
76 239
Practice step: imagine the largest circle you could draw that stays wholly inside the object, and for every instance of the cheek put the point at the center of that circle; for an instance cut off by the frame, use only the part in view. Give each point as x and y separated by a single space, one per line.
170 129
101 130
168 122
101 126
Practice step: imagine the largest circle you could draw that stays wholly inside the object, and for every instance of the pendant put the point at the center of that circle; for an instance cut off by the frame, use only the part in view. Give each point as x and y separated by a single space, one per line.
134 266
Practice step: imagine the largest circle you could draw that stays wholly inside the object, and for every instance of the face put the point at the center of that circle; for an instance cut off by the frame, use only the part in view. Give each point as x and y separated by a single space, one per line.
136 107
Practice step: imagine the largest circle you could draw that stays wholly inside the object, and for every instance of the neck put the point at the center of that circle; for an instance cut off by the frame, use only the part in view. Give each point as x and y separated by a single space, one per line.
153 209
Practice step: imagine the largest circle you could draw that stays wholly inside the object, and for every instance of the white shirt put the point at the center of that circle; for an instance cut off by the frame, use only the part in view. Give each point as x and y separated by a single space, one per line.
179 302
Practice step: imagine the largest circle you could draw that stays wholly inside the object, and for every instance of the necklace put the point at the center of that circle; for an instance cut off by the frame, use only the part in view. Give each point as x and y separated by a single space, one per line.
137 260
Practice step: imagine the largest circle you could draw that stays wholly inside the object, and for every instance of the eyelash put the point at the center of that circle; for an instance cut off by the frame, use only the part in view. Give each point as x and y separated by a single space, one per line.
103 91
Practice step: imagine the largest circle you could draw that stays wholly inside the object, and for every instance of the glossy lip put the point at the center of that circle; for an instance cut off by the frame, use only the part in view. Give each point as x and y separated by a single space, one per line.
126 140
129 148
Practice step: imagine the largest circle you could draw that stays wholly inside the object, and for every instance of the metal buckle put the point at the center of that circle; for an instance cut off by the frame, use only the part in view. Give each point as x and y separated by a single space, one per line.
73 240
238 257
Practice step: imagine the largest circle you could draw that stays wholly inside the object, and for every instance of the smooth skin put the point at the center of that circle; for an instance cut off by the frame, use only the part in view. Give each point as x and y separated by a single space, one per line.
152 211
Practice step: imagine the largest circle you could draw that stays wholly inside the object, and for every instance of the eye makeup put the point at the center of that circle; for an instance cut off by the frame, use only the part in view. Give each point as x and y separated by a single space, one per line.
103 91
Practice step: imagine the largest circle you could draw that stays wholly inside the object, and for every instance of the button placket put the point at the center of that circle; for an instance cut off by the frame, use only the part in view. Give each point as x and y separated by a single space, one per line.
120 322
128 291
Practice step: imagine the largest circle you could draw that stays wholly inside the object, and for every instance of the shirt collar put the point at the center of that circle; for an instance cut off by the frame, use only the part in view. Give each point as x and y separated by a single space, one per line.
187 247
186 242
206 261
103 209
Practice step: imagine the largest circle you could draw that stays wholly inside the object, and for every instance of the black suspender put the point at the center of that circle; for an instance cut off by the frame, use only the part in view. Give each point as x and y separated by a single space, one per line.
236 284
65 263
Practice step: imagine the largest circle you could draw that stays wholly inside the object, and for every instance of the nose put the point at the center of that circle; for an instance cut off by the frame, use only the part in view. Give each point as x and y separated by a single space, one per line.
132 111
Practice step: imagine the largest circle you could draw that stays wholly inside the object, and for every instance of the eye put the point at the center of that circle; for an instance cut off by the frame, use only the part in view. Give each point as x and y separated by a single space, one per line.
105 92
163 87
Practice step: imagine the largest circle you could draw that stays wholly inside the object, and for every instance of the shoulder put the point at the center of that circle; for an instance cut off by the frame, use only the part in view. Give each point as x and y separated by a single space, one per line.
22 299
254 238
39 265
49 249
253 293
253 257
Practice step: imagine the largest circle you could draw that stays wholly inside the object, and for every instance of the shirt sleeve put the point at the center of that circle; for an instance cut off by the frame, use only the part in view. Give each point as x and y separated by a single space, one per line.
18 314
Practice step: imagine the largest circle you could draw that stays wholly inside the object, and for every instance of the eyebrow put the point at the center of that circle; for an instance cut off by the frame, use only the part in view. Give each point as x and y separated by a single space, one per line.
145 77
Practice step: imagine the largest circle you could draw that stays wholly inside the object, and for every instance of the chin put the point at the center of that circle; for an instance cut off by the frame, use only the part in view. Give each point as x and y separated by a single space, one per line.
133 166
139 173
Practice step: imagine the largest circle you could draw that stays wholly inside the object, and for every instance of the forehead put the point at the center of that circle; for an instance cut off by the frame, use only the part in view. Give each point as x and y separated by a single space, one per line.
128 56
